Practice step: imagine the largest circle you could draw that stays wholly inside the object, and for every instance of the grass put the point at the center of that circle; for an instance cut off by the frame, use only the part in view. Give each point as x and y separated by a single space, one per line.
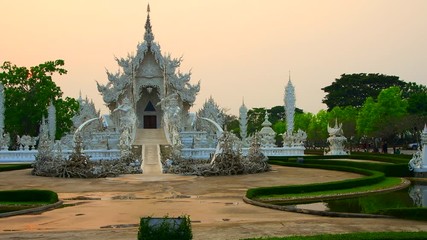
11 167
355 236
387 183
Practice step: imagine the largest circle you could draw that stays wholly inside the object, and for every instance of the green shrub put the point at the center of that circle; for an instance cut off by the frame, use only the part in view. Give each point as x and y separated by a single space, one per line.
372 177
165 228
11 167
32 195
389 169
407 213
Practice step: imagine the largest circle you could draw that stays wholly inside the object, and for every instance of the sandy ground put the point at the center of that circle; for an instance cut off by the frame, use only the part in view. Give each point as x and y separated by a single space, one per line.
214 205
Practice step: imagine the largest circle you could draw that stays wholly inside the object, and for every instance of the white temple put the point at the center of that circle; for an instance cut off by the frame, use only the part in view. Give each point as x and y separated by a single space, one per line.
150 93
150 84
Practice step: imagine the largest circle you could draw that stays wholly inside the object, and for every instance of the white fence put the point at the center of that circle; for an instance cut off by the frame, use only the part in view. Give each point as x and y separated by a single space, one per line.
207 153
30 155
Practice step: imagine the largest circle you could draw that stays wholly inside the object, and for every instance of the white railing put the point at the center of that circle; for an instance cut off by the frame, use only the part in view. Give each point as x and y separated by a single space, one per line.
30 155
207 153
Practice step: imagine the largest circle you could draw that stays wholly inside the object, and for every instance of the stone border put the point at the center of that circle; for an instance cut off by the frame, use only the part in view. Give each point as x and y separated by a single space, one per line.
32 210
268 203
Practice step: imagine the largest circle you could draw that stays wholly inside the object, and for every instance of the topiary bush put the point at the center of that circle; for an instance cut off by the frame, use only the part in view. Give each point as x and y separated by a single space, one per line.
372 177
32 195
165 228
11 167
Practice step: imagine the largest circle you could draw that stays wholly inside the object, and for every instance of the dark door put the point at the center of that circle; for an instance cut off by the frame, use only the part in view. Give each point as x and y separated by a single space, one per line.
150 122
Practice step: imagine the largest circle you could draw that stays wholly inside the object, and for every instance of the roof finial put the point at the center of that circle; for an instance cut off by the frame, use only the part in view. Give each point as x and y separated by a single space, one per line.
148 36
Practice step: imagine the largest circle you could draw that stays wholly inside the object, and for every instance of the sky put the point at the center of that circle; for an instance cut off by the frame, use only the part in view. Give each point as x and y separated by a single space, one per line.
238 49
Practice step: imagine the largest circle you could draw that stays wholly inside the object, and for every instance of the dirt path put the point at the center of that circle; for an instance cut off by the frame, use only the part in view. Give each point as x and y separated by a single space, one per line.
214 204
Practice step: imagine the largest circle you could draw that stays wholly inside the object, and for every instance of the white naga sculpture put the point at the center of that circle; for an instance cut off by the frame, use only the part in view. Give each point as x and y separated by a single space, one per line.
336 140
418 163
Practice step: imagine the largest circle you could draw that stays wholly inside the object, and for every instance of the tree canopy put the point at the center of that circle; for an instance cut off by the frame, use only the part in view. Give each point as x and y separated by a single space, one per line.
28 93
354 89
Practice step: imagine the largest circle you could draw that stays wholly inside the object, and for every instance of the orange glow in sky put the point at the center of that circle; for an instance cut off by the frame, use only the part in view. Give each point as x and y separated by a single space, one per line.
237 48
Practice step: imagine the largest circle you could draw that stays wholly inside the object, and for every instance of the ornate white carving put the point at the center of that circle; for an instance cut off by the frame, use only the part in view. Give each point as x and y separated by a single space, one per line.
52 121
289 106
418 163
243 122
336 140
267 134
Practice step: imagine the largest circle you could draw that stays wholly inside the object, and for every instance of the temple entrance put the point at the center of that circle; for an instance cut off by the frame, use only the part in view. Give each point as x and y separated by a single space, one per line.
150 121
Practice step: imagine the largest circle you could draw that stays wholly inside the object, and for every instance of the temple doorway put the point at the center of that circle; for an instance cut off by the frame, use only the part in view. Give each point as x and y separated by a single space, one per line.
150 121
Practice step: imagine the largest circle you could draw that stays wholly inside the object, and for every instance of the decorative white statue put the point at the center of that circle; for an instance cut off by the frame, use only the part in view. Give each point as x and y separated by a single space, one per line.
267 134
243 121
336 140
418 163
52 121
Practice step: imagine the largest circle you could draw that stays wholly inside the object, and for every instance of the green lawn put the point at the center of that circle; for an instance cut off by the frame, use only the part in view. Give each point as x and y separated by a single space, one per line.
356 236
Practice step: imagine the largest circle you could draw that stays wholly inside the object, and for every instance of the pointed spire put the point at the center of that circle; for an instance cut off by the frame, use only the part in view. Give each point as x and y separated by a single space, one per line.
289 81
148 36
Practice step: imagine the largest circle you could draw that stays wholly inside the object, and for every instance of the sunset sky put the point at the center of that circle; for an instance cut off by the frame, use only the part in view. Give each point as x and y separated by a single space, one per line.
237 48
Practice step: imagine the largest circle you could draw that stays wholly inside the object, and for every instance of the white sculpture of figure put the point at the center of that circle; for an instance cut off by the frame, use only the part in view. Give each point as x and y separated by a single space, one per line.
416 194
128 119
25 141
243 121
52 121
336 140
2 109
172 116
125 143
33 142
267 134
300 138
418 163
5 140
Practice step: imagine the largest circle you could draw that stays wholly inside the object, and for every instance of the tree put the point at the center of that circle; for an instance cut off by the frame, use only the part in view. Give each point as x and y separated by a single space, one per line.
354 89
28 93
383 118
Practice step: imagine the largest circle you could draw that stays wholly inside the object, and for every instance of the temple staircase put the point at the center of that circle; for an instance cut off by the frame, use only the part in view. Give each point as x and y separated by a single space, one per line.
151 139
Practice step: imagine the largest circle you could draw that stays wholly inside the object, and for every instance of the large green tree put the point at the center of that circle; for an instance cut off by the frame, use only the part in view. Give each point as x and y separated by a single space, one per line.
383 118
354 89
28 93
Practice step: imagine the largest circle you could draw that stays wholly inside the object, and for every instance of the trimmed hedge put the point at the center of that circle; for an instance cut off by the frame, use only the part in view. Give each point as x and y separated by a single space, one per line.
356 236
11 167
372 177
389 169
32 195
165 228
406 213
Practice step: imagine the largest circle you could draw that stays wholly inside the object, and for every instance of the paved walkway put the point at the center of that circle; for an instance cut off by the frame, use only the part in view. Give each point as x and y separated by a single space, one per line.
150 140
214 204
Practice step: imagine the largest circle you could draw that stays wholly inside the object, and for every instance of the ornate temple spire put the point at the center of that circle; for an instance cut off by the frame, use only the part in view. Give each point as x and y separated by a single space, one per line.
290 105
148 36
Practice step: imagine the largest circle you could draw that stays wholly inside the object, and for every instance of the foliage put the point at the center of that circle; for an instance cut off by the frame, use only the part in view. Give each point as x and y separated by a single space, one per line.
355 236
28 93
372 177
165 228
407 213
359 86
399 169
12 167
383 118
32 195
